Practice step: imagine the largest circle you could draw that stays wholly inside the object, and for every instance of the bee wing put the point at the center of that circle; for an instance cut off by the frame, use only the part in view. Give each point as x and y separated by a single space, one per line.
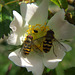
36 49
39 40
60 45
60 48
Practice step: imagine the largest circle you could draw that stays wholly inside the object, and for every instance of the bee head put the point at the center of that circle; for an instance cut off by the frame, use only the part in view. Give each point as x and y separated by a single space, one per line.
30 37
50 32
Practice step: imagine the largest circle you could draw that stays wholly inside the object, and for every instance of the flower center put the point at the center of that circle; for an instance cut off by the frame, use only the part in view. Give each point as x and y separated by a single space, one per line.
38 32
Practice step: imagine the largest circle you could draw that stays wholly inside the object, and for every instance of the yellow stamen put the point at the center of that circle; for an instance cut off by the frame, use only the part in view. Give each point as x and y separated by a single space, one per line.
25 34
29 29
29 32
47 27
45 23
38 24
33 26
32 31
37 29
29 26
43 27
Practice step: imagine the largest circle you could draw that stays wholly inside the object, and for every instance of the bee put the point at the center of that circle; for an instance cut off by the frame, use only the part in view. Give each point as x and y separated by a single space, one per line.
48 42
27 45
30 43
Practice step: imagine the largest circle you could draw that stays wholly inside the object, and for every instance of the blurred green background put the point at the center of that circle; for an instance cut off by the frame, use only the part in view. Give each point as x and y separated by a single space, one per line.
66 67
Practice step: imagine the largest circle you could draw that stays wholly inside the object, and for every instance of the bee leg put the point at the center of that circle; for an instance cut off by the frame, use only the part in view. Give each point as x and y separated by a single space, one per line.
40 46
54 52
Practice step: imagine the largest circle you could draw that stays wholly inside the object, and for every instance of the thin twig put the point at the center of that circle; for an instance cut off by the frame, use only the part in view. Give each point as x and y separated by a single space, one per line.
9 69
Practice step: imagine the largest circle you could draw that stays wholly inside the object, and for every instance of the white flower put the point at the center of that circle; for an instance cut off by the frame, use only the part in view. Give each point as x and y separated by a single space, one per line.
34 17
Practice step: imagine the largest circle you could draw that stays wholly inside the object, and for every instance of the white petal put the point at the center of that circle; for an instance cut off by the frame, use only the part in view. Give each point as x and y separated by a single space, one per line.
50 59
40 16
17 59
32 62
23 9
61 28
67 47
36 61
13 57
18 29
15 38
27 10
12 39
17 22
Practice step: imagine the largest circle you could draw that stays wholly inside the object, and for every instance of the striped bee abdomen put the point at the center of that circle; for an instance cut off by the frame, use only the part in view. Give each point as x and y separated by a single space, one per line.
26 49
27 45
47 44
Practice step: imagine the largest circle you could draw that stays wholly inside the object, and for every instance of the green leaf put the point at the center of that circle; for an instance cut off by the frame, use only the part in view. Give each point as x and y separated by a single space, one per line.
6 18
61 3
47 70
56 2
38 2
70 71
0 7
23 71
4 25
59 69
0 12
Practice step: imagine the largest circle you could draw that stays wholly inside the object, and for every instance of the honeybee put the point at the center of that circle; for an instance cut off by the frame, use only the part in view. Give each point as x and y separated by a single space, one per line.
48 42
28 44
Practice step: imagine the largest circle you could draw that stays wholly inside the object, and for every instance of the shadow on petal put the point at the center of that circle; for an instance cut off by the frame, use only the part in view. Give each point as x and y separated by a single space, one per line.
36 61
18 59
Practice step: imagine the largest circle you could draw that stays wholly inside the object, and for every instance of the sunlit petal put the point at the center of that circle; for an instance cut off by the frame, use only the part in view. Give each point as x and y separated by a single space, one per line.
17 59
17 22
12 39
62 28
27 11
52 58
17 26
40 16
23 9
67 47
32 62
37 63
